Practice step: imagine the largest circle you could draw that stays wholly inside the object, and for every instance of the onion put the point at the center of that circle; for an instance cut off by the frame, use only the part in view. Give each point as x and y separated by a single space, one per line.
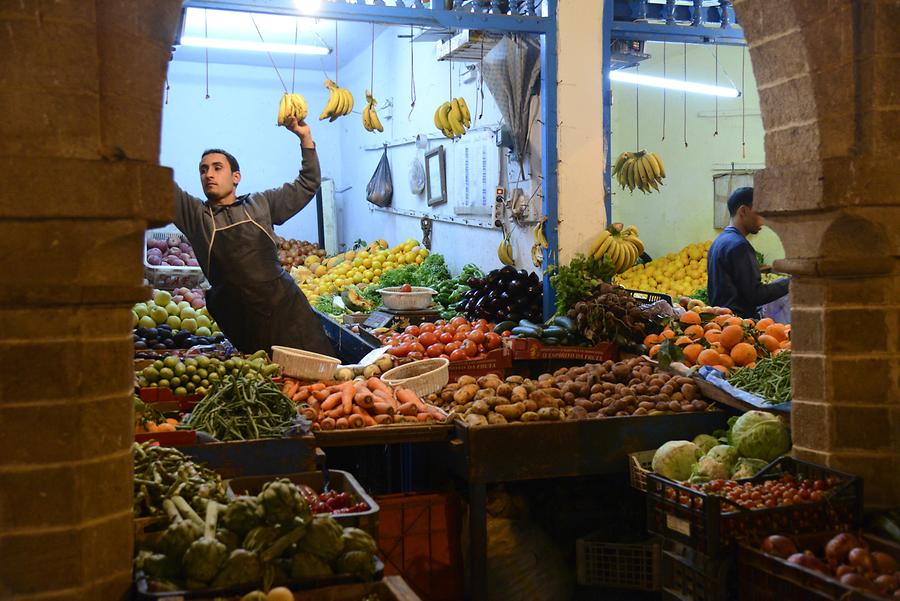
198 303
839 547
184 257
884 563
174 261
192 263
779 546
861 559
173 240
844 569
809 561
154 259
177 298
886 584
185 247
855 581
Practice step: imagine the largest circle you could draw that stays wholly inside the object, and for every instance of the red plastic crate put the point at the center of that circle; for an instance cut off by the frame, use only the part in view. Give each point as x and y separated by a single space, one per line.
418 539
168 439
529 349
165 395
496 361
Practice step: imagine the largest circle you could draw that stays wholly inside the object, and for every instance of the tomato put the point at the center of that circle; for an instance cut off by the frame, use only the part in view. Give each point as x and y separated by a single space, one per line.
400 350
415 355
426 327
506 334
481 322
412 330
458 321
428 338
470 348
815 496
416 347
459 336
476 336
407 338
449 348
492 341
440 323
458 355
484 328
464 328
435 350
445 337
450 330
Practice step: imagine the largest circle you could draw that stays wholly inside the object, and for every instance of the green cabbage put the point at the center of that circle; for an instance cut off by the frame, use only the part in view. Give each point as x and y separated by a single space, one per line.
759 435
675 459
747 467
715 465
705 442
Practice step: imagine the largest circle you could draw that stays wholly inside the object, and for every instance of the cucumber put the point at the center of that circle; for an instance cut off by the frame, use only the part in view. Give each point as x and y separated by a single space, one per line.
556 332
527 324
525 332
563 322
503 326
550 341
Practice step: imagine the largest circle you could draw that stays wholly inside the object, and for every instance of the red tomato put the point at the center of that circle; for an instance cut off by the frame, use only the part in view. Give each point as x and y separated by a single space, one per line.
492 341
412 330
401 350
481 322
458 355
415 355
470 348
506 333
435 350
458 321
459 336
447 357
450 330
406 338
464 328
449 348
485 328
446 337
476 336
428 338
416 347
440 323
426 327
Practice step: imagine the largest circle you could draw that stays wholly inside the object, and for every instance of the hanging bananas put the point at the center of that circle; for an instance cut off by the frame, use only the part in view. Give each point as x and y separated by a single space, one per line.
505 251
340 102
540 243
370 118
621 246
642 170
453 118
292 105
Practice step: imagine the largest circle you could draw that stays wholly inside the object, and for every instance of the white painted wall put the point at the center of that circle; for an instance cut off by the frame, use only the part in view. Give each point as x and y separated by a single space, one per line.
682 212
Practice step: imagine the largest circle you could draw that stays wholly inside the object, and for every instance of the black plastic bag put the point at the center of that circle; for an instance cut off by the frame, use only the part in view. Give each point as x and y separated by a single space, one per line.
380 190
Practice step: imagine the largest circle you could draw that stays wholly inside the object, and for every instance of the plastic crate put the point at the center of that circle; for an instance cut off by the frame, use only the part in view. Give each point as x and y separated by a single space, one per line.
765 577
418 539
339 480
711 524
649 297
496 362
639 467
688 575
165 277
618 565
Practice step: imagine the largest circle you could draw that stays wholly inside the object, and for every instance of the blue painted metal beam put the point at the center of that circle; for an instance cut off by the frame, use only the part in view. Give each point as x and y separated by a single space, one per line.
607 110
389 15
677 33
550 155
631 10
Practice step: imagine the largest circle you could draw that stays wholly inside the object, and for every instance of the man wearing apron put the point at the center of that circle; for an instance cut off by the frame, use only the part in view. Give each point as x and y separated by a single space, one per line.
254 301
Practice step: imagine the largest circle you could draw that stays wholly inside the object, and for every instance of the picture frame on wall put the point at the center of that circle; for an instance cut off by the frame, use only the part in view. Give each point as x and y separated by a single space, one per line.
436 177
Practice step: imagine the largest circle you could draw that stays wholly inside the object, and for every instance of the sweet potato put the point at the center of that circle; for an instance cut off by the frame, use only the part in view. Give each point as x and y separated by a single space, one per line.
480 407
475 419
512 411
496 418
529 416
465 394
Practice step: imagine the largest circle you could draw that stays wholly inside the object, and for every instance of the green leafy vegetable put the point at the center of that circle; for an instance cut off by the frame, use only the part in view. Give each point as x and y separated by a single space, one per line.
577 280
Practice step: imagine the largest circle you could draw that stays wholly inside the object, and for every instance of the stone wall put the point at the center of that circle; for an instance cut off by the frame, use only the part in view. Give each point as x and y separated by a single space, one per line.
80 94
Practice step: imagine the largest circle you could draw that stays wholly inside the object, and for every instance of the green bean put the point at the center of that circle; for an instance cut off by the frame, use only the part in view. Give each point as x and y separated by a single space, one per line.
770 379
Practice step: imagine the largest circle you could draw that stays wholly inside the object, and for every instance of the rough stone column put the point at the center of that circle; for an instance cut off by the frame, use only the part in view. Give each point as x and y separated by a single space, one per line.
827 75
80 94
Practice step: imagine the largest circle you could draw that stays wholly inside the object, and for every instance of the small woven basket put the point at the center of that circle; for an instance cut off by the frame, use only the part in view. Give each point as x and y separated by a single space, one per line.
304 364
422 377
418 298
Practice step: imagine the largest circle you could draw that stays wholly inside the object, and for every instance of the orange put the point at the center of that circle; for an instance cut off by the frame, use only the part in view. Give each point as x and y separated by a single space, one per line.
711 326
770 342
716 347
651 339
720 320
726 360
732 335
691 352
653 350
734 321
713 336
764 323
786 344
708 357
776 331
681 340
721 368
751 365
694 331
690 317
743 354
667 333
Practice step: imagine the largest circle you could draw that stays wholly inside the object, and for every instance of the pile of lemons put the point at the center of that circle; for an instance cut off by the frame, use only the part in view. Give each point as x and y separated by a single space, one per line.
676 274
361 267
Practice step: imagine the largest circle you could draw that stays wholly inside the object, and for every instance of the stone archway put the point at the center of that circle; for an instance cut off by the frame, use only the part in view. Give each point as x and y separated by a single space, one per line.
79 149
828 83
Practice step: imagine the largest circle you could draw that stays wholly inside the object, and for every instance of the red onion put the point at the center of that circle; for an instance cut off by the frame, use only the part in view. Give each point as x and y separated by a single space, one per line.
884 563
808 561
885 584
861 559
154 259
856 581
839 547
779 546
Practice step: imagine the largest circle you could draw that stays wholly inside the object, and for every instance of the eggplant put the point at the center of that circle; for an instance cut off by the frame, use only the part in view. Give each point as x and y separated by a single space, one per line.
523 274
535 289
534 277
504 296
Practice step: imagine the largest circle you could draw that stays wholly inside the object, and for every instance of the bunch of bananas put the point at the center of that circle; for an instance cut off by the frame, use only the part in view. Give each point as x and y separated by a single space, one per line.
370 118
340 102
642 170
453 118
505 250
622 246
292 105
540 243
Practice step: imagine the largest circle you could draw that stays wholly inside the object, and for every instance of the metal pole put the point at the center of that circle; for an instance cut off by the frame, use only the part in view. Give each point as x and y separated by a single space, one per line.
550 156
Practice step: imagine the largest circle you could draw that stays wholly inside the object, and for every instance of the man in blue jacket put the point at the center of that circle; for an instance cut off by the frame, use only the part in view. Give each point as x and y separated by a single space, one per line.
732 268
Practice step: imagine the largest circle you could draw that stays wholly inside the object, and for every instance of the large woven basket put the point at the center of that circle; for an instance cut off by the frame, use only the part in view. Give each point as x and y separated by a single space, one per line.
417 299
422 377
304 364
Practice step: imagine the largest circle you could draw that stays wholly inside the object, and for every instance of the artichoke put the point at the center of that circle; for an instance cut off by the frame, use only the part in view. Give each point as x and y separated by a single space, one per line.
260 537
289 534
358 540
358 563
241 567
281 501
323 538
204 558
228 538
242 515
178 537
156 565
307 566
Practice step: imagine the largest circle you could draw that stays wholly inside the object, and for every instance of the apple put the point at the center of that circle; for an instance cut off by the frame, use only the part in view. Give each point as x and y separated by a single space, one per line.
172 309
203 321
189 324
146 322
183 304
203 331
141 309
159 315
162 298
174 322
187 313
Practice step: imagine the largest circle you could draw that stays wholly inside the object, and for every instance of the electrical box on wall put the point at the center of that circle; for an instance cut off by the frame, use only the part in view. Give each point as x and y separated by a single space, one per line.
497 209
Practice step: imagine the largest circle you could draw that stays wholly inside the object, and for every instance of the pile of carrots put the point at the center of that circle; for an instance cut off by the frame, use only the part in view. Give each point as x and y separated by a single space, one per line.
169 425
358 403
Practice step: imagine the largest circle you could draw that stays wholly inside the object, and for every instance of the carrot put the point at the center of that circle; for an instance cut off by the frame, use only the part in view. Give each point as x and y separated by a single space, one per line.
383 408
409 409
312 402
327 424
341 423
367 419
336 412
301 395
381 394
375 384
316 427
320 394
347 392
405 396
424 417
365 399
172 420
331 401
309 413
383 419
317 387
290 388
356 421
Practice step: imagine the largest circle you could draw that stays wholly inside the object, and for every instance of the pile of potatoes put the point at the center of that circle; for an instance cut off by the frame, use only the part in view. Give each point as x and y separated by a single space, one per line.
632 387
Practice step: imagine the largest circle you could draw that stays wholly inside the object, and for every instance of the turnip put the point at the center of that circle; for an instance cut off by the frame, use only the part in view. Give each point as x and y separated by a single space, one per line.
154 259
173 240
192 263
174 261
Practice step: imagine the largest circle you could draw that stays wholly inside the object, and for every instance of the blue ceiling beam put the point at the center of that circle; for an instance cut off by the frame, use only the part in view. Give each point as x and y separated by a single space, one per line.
659 32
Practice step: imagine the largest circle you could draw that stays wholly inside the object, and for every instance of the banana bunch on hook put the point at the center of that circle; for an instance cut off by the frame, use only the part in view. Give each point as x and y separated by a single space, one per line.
292 105
370 118
340 102
642 170
505 250
540 242
453 118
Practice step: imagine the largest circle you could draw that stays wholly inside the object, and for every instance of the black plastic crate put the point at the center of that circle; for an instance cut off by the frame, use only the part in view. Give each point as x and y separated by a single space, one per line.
649 297
688 575
712 524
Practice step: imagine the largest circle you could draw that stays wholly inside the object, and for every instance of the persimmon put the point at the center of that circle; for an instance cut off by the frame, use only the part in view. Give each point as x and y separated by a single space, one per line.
777 331
692 352
769 342
731 335
764 323
708 357
690 318
743 354
693 332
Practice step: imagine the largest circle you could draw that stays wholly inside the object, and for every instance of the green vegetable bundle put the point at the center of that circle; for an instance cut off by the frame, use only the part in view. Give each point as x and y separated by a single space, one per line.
163 472
241 408
770 379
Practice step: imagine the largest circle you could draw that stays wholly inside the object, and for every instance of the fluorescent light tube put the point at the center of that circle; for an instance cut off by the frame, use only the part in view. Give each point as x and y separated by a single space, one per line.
309 6
254 46
673 84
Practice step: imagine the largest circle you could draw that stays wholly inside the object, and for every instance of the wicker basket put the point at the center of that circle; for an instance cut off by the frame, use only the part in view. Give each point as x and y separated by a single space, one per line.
419 298
303 364
422 377
639 467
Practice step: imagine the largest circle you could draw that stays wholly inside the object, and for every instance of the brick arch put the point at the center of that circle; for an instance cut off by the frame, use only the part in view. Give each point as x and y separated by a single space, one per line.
828 73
